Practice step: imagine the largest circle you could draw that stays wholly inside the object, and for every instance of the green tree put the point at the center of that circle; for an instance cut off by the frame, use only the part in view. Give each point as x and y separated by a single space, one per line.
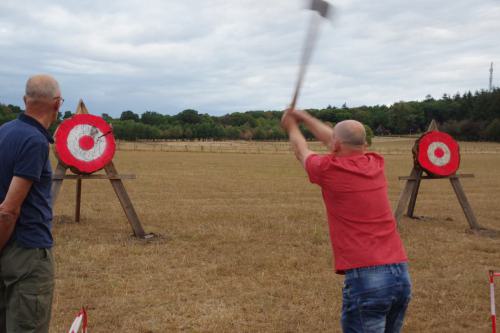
189 117
405 117
153 118
106 117
231 133
129 115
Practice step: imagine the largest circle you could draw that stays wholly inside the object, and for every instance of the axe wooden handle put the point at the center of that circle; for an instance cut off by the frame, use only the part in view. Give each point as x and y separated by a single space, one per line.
323 10
309 43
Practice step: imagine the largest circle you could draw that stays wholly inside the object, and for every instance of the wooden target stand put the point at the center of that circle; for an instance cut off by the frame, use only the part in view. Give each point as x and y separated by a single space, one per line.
111 175
408 197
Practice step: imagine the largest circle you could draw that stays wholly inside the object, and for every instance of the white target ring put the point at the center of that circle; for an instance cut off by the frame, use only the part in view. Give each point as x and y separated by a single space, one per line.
439 153
85 142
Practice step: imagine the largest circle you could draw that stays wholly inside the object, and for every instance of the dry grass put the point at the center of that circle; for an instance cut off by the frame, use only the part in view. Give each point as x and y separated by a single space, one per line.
385 145
244 247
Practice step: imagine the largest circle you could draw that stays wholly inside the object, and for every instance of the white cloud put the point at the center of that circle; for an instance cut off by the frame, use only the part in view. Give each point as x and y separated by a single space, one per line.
219 56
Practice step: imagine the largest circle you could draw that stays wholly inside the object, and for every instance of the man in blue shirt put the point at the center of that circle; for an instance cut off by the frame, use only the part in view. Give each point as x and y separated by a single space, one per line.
26 261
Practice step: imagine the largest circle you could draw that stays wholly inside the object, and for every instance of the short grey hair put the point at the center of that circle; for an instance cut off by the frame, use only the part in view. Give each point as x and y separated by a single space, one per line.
42 86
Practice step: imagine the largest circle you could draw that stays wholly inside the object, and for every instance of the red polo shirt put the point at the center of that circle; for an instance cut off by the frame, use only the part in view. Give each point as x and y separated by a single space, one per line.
362 227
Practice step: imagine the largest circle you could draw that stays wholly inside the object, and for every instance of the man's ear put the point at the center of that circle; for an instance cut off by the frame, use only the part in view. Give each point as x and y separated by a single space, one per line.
57 105
336 146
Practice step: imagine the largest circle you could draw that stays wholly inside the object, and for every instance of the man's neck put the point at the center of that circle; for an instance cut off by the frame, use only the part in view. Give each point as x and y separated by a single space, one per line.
42 120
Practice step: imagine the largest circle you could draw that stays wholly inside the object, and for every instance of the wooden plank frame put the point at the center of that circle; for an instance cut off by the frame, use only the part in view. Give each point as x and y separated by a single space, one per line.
116 182
408 196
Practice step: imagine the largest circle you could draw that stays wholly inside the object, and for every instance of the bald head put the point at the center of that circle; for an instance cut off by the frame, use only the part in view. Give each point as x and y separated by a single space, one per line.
350 132
43 99
42 87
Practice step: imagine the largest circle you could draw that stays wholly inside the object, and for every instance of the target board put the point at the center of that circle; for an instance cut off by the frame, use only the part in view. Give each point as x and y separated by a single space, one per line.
437 153
84 143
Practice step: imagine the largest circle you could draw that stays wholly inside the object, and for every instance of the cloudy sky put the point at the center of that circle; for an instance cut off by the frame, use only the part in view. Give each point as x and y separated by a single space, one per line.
221 56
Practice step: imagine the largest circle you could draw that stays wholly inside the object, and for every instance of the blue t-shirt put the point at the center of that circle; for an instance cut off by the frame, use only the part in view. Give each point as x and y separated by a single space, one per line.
24 152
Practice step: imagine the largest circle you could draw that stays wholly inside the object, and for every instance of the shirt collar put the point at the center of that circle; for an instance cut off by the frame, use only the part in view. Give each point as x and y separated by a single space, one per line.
33 122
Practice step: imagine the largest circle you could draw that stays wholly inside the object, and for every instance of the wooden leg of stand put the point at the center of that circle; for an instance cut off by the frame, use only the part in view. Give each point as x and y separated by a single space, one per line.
57 183
125 201
462 199
405 195
414 194
78 199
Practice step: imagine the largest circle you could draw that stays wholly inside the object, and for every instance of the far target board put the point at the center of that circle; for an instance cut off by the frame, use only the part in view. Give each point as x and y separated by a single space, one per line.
437 153
84 143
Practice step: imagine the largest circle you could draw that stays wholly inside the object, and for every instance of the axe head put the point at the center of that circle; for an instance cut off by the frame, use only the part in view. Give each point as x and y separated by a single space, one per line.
322 7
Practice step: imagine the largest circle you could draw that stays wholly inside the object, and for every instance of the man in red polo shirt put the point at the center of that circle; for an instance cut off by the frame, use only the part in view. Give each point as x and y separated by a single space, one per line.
366 245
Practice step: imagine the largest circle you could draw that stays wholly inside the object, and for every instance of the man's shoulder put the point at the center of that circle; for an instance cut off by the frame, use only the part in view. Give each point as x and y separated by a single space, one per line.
8 125
375 156
18 131
360 164
318 159
319 156
18 137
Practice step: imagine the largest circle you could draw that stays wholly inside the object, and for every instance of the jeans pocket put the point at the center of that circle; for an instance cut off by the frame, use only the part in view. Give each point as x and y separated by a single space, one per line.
374 312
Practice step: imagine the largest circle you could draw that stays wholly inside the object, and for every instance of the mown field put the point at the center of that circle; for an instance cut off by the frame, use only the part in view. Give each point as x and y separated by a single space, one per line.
243 245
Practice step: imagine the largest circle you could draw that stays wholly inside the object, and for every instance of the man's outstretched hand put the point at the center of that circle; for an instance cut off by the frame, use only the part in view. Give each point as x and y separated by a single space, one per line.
287 120
291 117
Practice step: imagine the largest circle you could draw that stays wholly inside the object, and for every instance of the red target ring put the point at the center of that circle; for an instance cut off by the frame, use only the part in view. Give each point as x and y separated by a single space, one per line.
84 143
438 154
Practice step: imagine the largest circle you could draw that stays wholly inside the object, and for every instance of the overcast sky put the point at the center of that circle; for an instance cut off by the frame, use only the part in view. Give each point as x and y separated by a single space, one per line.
221 56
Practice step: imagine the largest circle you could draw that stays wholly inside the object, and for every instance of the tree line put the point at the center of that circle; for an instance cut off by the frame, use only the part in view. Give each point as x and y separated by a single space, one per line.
470 116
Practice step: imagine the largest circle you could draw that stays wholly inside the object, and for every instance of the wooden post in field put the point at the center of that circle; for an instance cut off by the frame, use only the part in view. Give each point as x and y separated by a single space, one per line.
408 196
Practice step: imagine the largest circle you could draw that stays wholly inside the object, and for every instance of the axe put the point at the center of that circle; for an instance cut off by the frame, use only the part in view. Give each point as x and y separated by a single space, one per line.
322 10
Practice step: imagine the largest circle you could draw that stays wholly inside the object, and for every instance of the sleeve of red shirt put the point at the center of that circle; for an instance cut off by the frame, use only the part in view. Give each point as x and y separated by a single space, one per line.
313 168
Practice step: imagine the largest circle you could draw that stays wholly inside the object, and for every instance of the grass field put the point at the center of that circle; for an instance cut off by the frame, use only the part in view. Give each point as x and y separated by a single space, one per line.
244 246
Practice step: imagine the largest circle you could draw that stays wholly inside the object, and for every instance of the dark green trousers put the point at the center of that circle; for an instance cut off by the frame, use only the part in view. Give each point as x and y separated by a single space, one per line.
26 288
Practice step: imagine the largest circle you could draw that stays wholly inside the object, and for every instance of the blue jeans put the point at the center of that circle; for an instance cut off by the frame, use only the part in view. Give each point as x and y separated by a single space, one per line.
375 299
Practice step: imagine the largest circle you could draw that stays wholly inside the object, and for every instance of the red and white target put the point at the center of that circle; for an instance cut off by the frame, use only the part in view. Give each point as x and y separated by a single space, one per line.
84 143
438 153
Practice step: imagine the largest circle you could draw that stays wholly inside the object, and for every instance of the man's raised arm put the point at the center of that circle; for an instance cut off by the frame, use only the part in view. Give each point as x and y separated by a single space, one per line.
297 140
11 207
319 129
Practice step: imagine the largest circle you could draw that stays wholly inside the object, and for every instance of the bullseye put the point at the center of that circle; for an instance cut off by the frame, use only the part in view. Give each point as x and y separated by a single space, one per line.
439 152
86 142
